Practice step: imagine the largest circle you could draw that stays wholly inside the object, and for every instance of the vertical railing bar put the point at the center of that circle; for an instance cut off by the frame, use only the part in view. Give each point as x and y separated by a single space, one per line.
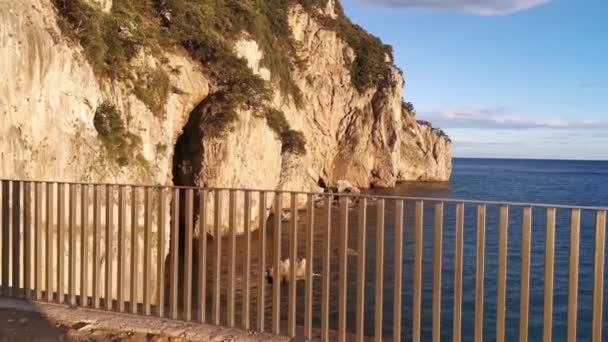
202 255
343 264
262 262
122 218
134 247
72 251
379 286
147 248
293 257
187 288
109 243
438 252
525 274
37 239
398 270
308 294
96 244
49 241
232 257
326 270
160 255
573 273
60 242
458 256
84 245
418 223
361 230
5 213
218 256
480 271
247 251
29 239
276 283
598 270
502 273
174 267
549 268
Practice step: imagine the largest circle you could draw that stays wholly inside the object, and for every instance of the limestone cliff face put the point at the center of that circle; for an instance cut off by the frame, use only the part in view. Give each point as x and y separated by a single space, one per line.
54 107
49 96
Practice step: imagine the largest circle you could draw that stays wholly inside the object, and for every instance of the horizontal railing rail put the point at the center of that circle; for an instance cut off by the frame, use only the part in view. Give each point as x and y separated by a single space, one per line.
329 266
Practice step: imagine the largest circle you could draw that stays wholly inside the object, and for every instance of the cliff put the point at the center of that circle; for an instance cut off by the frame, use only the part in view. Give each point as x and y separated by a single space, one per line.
277 94
285 95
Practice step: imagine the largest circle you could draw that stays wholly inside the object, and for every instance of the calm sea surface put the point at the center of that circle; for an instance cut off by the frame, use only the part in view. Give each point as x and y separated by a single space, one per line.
583 183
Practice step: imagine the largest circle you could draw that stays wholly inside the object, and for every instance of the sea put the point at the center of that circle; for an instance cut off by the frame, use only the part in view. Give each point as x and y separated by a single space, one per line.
572 183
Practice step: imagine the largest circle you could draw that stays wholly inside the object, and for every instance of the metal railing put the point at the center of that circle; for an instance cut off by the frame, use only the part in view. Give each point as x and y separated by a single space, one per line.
184 253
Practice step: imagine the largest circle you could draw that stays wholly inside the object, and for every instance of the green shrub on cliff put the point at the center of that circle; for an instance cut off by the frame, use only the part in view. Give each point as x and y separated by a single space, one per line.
207 30
123 146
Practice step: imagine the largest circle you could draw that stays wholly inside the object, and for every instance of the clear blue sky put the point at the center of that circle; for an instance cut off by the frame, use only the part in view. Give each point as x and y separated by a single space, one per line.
504 78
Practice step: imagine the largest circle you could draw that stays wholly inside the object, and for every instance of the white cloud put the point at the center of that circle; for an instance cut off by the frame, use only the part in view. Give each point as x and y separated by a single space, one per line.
501 118
477 7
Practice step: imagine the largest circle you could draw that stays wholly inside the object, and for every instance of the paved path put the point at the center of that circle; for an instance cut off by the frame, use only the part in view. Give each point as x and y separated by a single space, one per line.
22 321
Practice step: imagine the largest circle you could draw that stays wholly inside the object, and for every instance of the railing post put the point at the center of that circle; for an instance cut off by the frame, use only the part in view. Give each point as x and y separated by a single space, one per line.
262 261
398 272
293 256
417 314
502 273
16 245
135 246
37 239
247 251
27 244
438 251
122 236
326 270
549 267
160 255
598 282
526 232
231 257
84 245
202 255
379 269
174 269
5 236
458 253
96 245
187 288
308 296
60 242
147 248
276 283
72 252
479 278
49 241
575 227
343 275
218 256
109 244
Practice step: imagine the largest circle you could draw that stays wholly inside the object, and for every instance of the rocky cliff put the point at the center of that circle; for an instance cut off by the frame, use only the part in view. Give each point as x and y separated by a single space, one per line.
277 94
290 95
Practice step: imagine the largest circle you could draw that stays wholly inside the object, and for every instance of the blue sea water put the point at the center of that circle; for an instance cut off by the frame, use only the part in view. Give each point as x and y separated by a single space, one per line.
580 183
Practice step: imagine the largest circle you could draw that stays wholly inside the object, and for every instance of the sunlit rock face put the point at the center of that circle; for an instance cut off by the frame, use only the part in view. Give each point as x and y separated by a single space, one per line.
51 100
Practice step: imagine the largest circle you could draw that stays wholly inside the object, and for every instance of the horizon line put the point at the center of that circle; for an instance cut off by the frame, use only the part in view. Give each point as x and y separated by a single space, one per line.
533 158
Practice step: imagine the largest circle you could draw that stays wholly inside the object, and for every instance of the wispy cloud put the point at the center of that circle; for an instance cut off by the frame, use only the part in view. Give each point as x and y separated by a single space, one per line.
477 7
501 118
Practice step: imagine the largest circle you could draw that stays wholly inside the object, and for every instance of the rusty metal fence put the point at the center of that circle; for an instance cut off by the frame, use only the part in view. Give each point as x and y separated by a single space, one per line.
172 252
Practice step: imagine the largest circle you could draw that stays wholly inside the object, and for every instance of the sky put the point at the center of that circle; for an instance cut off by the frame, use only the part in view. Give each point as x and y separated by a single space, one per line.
503 78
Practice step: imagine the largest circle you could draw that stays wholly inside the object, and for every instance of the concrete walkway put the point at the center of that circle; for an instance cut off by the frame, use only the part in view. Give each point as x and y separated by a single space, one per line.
27 321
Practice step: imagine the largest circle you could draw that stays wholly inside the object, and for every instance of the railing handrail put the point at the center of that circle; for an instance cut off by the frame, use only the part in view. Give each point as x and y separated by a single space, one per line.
318 193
